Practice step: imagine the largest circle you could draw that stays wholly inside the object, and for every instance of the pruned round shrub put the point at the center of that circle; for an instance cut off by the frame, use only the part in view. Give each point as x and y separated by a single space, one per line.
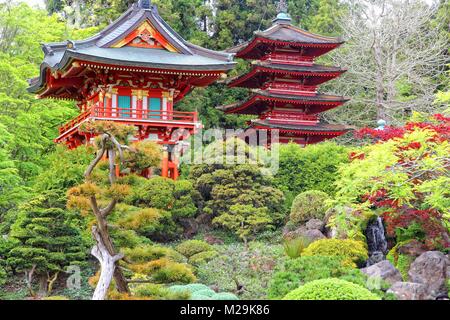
198 291
331 289
193 287
173 272
191 247
158 292
146 253
296 272
202 257
308 205
351 251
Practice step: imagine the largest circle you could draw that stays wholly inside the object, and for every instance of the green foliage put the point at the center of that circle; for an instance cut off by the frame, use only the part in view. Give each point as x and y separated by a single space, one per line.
192 247
352 252
56 298
157 292
3 276
383 176
176 197
174 273
295 247
159 264
401 261
64 168
296 272
245 220
145 253
240 198
331 289
251 267
48 240
365 176
202 257
299 168
198 291
308 205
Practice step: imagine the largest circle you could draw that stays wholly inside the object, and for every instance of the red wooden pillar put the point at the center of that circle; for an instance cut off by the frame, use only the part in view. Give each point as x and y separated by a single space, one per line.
165 163
100 104
139 108
139 94
108 106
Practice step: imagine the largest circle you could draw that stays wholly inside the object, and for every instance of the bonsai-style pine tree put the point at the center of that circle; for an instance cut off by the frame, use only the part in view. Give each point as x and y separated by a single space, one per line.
102 196
48 242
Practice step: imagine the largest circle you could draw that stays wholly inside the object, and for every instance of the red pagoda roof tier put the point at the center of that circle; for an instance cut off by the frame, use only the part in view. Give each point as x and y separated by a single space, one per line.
284 34
262 101
263 72
318 129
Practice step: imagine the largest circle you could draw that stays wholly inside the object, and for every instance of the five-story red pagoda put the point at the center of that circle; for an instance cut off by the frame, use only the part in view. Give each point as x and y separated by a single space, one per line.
132 72
284 82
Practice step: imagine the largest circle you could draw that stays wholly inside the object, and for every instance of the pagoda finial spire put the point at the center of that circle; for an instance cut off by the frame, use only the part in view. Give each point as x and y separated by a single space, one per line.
282 10
282 6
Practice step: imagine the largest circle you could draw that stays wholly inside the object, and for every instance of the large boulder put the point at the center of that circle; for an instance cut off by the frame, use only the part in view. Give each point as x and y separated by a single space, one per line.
430 269
383 270
315 224
409 291
303 232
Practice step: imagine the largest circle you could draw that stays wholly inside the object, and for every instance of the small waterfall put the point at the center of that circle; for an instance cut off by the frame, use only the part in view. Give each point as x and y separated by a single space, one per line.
376 241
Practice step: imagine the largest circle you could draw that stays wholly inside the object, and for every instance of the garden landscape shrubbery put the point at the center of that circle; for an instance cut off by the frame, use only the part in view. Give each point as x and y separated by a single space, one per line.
228 231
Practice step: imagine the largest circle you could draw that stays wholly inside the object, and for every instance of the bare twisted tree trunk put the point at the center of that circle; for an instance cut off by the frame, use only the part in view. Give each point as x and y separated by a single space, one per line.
104 249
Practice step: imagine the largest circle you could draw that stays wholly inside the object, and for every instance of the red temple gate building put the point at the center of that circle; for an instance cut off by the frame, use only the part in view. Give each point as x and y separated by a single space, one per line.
132 73
284 82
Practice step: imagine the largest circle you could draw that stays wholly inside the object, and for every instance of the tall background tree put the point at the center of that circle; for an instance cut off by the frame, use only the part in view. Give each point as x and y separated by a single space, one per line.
395 55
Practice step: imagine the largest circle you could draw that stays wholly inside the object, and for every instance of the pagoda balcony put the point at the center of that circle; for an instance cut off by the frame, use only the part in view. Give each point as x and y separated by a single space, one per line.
287 58
290 88
153 118
291 118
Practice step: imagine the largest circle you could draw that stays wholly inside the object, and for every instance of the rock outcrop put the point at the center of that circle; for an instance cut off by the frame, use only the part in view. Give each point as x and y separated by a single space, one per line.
430 269
385 271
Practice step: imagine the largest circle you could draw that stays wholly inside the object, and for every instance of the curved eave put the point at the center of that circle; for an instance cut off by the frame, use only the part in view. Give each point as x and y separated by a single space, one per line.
322 129
245 51
70 56
258 104
242 81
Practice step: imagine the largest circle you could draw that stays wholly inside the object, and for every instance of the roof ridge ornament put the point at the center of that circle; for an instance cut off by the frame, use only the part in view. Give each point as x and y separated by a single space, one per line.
283 16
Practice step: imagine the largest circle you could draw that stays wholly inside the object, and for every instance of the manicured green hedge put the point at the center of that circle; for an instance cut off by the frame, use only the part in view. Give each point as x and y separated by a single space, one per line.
351 251
331 289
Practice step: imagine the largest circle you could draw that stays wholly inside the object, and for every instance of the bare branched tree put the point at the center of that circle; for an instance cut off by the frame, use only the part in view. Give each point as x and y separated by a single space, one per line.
395 54
104 249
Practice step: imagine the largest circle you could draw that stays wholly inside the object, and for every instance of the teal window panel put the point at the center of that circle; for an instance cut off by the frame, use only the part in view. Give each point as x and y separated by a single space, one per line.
124 105
154 104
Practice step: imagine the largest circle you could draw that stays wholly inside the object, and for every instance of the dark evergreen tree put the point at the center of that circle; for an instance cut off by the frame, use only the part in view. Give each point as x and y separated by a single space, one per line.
48 242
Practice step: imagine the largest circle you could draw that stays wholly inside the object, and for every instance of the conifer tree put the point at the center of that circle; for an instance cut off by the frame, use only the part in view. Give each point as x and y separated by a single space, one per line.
48 242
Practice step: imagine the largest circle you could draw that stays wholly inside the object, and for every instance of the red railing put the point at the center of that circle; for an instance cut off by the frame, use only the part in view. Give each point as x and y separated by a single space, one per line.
292 118
75 121
130 115
286 58
146 115
290 88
